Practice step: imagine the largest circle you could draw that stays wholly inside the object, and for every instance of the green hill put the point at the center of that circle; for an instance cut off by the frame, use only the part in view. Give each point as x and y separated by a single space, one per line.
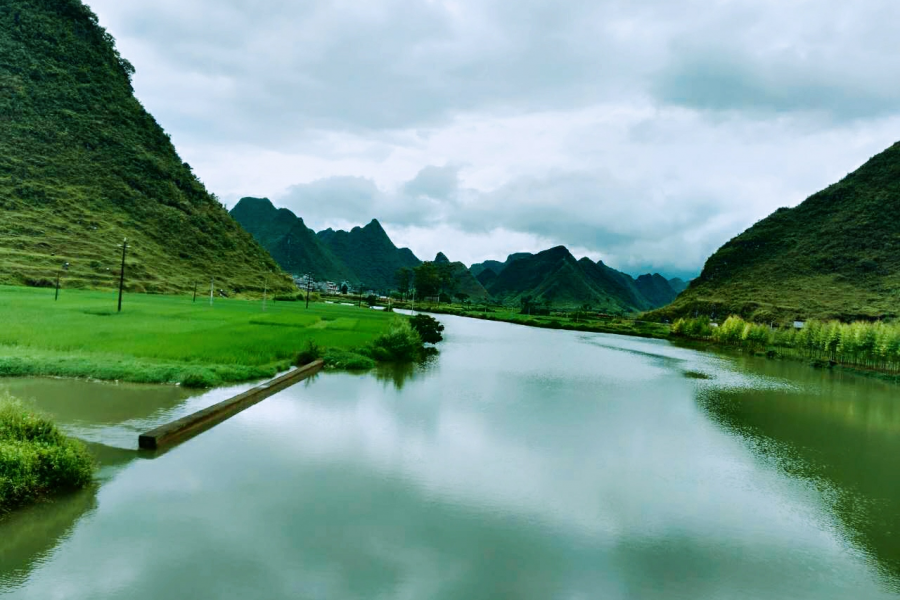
486 277
678 285
554 276
836 255
656 289
495 265
461 279
369 254
290 242
83 165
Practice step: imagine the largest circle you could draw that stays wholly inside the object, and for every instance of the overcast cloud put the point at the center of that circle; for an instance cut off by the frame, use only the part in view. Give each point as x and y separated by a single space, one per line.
643 133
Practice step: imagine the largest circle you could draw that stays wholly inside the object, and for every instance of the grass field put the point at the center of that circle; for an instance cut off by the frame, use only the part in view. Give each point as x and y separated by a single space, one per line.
160 339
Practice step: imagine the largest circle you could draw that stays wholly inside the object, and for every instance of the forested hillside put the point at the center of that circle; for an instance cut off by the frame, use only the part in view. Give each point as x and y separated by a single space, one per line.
83 165
370 254
290 242
461 284
835 256
555 278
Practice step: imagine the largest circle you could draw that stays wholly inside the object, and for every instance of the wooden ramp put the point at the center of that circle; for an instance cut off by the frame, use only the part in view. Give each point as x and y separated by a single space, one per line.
200 421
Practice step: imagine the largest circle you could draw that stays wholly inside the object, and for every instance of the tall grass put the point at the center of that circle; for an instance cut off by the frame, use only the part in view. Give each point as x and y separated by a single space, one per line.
36 459
860 344
159 339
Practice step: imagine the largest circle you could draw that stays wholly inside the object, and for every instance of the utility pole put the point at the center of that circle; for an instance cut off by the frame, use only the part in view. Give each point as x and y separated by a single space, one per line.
212 283
265 292
195 292
308 285
64 267
122 273
360 296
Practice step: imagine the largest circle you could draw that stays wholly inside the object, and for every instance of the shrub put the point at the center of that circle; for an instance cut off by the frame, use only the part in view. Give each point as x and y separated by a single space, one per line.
36 459
693 328
342 359
401 344
310 352
199 378
428 328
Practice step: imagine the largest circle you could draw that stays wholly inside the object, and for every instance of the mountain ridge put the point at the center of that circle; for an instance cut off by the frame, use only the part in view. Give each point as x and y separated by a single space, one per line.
287 238
833 256
83 166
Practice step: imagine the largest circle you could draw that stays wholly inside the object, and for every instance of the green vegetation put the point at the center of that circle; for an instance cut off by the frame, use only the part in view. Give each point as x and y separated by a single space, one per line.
444 280
369 254
83 165
861 344
833 257
496 266
555 278
290 242
401 344
350 361
36 459
428 328
363 256
656 289
572 320
158 339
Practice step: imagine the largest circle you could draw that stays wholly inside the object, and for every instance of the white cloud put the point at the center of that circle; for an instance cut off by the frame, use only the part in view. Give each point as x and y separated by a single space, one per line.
644 133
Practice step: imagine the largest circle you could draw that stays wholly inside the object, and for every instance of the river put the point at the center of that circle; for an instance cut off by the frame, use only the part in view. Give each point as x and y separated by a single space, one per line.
519 463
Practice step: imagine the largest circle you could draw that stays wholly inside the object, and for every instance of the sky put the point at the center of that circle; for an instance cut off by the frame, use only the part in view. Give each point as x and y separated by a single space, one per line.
645 134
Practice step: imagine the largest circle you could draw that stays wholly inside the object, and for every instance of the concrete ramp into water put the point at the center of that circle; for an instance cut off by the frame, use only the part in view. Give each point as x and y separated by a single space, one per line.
171 433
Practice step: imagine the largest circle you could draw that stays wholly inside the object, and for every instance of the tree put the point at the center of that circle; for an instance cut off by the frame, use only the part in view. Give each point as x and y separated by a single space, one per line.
428 327
446 278
403 278
427 279
344 288
462 297
526 303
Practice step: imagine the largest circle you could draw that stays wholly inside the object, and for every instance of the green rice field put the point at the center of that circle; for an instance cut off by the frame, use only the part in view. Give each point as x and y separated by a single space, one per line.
168 339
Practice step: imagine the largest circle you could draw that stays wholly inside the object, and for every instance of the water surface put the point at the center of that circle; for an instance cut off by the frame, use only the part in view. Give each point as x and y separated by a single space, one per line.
521 463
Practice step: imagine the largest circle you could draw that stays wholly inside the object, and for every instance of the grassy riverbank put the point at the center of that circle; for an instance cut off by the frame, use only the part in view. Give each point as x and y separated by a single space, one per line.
165 339
36 459
571 321
869 348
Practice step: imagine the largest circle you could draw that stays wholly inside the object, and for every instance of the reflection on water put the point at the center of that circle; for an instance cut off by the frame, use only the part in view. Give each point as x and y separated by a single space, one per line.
29 536
841 433
524 464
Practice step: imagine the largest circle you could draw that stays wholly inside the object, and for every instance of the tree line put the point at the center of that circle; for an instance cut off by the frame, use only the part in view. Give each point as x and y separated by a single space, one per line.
864 344
429 280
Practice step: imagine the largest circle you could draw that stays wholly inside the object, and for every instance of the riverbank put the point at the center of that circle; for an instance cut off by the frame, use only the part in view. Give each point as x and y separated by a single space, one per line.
171 339
587 322
36 460
821 353
864 348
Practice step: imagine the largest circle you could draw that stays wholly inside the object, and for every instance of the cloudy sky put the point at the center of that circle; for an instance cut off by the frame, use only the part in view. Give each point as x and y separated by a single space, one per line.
643 133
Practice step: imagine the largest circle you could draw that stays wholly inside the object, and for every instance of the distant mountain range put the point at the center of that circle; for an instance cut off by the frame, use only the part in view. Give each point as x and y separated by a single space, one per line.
363 255
836 255
555 276
366 255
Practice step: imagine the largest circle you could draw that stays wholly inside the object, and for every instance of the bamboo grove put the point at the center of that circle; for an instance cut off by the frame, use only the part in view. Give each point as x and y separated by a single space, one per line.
862 344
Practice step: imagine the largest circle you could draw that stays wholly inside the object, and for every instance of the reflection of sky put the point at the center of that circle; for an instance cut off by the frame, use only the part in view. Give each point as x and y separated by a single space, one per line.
541 464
